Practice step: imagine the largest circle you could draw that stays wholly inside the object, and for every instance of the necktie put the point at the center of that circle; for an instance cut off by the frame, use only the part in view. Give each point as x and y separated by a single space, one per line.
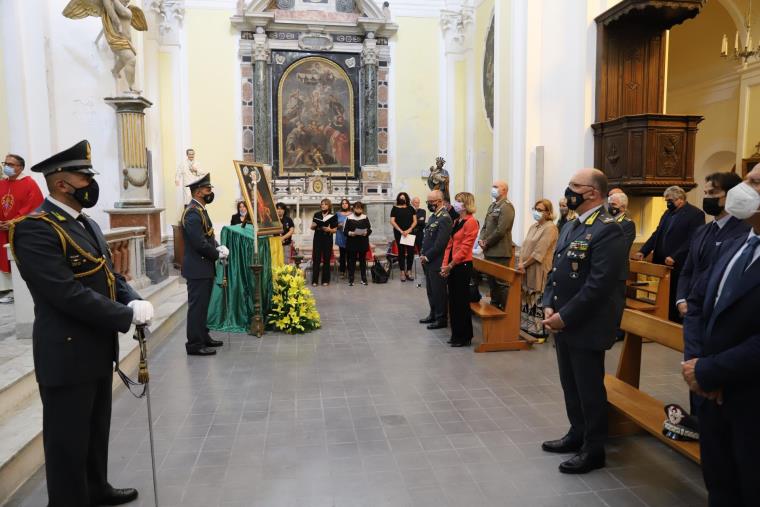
734 277
82 220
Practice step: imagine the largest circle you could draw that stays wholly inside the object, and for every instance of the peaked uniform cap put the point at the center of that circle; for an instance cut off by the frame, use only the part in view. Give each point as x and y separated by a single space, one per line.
203 181
78 158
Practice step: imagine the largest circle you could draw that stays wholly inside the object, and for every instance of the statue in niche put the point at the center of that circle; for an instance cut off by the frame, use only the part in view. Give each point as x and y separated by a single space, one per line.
439 178
118 18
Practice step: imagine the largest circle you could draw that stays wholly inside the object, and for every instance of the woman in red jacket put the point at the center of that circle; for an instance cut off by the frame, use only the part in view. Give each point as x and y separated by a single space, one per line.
457 268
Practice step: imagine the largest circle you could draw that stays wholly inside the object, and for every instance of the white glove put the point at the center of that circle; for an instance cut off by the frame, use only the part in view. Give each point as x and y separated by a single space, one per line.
142 312
224 252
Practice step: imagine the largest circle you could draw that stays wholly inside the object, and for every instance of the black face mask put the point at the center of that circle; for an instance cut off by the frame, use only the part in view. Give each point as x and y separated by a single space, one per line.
712 206
614 211
574 199
208 198
670 205
401 202
431 207
87 196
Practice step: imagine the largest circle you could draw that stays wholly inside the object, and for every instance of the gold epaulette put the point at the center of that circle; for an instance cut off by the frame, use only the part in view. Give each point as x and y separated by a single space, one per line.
209 231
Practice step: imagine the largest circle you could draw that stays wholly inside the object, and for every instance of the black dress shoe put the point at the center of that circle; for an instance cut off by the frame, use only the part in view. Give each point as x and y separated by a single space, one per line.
436 325
115 496
564 445
203 351
582 463
461 344
427 320
214 343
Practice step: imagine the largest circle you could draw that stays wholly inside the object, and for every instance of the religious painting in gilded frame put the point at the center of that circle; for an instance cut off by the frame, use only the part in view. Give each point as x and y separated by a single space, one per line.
315 119
268 222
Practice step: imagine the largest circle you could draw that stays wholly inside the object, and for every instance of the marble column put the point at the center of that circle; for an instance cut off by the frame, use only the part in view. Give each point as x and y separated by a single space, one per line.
370 59
262 96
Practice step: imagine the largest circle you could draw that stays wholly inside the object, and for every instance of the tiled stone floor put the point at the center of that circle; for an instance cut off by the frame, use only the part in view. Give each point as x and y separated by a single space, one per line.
374 410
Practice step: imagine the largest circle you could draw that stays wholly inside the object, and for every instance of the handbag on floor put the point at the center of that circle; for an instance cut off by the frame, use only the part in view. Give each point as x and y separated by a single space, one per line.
379 273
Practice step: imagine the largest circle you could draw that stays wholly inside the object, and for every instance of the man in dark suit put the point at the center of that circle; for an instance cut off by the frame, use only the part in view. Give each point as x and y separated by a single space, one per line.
725 372
669 243
198 266
709 237
436 237
583 303
80 306
617 205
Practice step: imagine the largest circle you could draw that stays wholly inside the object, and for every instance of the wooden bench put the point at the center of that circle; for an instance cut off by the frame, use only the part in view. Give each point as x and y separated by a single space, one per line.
630 409
501 329
648 288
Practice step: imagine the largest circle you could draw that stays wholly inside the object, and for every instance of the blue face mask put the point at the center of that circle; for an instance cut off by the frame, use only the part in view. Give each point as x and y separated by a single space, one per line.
9 171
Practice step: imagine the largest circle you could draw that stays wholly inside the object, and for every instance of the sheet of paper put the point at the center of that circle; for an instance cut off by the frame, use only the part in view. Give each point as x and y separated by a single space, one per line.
360 232
408 240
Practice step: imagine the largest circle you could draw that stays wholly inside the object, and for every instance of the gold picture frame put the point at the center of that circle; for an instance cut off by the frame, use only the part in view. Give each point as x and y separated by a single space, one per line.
268 222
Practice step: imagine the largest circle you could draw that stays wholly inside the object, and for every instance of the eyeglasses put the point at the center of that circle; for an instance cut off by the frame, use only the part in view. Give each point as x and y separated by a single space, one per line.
539 210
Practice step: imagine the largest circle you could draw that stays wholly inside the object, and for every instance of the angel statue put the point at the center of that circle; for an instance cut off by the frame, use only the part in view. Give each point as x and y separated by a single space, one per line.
439 178
118 18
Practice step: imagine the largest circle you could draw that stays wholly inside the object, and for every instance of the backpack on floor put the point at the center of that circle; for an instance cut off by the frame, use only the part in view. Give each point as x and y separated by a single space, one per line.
379 273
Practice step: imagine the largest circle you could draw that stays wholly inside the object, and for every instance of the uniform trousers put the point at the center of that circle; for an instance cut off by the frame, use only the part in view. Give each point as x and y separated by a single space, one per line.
581 373
320 258
353 256
76 420
198 298
729 448
437 295
460 314
498 287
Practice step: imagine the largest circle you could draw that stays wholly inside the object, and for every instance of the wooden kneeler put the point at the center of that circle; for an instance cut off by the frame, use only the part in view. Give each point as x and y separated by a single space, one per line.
501 329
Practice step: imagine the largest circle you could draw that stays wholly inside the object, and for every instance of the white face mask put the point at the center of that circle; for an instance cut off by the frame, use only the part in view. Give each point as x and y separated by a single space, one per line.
537 215
458 206
742 201
495 192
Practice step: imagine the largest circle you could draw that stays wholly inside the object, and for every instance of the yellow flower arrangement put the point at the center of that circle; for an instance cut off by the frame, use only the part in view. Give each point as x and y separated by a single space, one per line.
293 307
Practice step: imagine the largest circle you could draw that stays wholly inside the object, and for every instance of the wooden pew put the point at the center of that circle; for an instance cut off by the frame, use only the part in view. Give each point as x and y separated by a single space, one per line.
645 294
501 329
630 409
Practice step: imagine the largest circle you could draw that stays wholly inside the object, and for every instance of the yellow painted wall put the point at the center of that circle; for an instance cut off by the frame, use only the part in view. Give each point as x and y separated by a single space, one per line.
4 142
483 148
169 133
213 81
417 91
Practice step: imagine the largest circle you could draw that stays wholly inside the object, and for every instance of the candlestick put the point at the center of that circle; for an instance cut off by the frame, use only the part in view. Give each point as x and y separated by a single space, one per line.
724 46
736 42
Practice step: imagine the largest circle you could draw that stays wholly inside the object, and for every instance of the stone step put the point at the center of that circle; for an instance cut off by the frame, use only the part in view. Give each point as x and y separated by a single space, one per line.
21 453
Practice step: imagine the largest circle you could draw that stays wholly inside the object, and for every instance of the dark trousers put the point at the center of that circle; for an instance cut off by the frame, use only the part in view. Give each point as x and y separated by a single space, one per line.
353 256
320 258
76 421
198 297
343 259
498 287
405 255
729 448
436 293
460 314
673 314
581 373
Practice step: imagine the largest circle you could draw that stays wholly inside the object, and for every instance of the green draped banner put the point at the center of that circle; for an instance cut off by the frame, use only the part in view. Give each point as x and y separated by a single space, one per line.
236 317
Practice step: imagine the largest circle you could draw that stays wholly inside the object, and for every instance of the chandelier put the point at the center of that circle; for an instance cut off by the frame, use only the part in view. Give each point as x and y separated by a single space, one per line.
742 52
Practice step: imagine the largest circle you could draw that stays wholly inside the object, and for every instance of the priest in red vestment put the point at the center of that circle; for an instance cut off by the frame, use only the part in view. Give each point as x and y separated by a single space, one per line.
19 195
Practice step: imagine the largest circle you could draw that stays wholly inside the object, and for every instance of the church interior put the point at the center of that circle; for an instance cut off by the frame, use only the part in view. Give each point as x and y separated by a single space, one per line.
363 100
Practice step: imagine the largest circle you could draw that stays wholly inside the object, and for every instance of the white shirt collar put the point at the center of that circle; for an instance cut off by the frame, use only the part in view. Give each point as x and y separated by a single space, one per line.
68 209
199 203
722 221
582 218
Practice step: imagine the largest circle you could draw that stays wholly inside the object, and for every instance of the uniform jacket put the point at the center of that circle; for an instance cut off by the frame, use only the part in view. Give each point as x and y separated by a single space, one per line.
436 237
701 254
629 233
200 243
728 335
79 303
673 234
497 229
586 285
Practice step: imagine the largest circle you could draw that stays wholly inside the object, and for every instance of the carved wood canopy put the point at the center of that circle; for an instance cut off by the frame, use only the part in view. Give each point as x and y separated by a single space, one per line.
636 145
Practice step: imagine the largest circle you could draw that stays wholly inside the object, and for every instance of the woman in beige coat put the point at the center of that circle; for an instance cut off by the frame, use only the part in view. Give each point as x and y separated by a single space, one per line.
535 263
